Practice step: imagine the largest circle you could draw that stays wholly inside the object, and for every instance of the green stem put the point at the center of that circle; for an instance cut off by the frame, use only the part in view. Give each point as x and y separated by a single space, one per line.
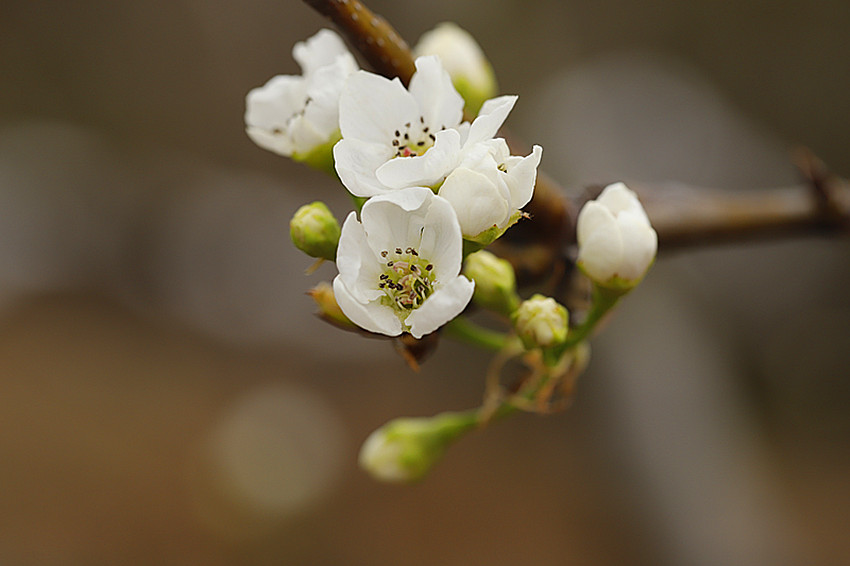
604 300
463 329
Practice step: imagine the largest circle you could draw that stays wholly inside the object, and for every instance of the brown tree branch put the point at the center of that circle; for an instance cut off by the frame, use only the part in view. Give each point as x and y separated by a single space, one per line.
681 215
381 46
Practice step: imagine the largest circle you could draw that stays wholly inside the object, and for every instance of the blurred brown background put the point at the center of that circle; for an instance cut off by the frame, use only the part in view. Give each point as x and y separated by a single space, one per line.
166 396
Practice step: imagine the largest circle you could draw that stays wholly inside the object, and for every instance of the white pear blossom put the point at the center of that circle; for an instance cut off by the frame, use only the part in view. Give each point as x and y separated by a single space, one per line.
393 138
489 187
399 268
616 241
297 115
471 72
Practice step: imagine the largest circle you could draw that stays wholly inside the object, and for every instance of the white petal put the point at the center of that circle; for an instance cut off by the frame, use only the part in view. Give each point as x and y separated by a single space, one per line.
304 134
373 316
478 201
640 243
396 219
440 241
356 161
324 89
431 86
493 114
423 170
600 244
521 176
269 110
618 198
358 265
372 107
443 305
278 143
322 49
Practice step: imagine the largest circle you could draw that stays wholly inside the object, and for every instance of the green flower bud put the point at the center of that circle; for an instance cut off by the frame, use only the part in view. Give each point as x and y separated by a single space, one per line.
541 322
404 450
315 231
495 282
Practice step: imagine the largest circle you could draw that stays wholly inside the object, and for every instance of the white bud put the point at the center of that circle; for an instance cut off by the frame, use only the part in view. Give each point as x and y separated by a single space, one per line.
471 72
616 242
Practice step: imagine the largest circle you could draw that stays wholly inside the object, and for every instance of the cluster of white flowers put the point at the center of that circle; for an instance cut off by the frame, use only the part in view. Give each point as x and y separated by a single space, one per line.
426 179
432 179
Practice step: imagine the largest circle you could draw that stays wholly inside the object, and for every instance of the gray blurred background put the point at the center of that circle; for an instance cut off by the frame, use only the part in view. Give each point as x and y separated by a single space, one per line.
167 397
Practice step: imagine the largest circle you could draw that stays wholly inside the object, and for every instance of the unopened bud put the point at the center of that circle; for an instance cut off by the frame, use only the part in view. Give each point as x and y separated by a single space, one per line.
471 72
616 242
405 449
541 322
315 231
495 282
323 295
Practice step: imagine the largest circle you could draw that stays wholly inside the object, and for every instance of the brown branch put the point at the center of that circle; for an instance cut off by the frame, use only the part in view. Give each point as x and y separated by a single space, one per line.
682 216
381 46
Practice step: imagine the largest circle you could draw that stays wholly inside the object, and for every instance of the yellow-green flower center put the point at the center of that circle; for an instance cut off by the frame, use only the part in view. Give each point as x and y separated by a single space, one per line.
414 138
407 280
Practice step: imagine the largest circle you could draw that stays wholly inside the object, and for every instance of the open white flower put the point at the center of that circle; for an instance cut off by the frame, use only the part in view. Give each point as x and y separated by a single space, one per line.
471 72
298 115
393 138
489 187
616 241
399 269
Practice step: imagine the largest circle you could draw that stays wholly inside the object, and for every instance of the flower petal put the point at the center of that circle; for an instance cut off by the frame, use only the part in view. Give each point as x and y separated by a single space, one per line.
371 107
355 162
618 198
423 170
493 114
440 104
477 200
269 109
322 49
396 219
440 240
640 243
442 306
358 265
599 241
521 176
373 316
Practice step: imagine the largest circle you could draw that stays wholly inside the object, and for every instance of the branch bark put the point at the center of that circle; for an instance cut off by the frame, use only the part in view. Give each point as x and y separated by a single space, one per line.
681 215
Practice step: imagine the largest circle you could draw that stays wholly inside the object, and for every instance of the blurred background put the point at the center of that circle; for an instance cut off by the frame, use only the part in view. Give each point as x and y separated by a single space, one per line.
167 397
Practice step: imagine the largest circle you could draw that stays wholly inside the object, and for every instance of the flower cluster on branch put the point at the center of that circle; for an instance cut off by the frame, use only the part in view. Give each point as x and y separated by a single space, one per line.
430 190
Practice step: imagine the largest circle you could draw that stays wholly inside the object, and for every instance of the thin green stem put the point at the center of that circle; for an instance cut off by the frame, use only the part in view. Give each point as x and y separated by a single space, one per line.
604 300
463 329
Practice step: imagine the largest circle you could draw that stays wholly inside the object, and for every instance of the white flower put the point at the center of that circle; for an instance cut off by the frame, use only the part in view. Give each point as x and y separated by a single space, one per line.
295 115
489 187
615 239
393 138
472 75
399 270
